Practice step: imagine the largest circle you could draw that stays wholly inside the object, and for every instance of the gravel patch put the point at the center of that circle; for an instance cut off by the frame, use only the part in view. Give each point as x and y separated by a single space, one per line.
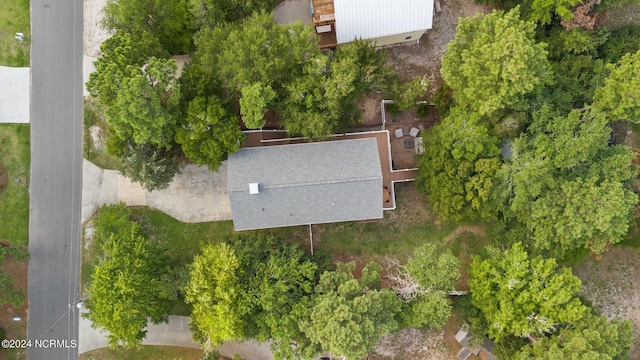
612 284
94 34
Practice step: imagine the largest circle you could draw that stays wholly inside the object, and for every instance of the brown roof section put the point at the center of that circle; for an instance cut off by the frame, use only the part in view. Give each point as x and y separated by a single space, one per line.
389 176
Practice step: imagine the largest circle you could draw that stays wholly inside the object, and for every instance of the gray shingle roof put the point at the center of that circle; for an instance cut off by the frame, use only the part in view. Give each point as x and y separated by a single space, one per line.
308 183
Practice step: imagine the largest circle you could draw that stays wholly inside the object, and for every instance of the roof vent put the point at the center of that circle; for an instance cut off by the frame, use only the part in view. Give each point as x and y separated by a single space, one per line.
254 188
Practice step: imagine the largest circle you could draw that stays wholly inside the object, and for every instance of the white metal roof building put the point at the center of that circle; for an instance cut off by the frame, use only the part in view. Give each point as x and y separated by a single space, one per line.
383 21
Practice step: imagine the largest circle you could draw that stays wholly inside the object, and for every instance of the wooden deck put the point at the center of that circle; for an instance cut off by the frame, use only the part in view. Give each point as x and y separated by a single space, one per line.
389 176
328 39
323 11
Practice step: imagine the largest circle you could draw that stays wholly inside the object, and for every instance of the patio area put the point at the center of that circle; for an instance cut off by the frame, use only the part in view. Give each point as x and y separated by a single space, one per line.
405 130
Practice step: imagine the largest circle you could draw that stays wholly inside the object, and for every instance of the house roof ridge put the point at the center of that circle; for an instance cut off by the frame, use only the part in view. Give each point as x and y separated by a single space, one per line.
310 183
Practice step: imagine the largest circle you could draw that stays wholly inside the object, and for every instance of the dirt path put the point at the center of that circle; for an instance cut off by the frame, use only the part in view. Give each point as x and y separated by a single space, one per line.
475 230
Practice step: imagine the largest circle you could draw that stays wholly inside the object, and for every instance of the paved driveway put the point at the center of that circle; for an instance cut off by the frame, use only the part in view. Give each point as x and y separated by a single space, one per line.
174 333
195 195
14 94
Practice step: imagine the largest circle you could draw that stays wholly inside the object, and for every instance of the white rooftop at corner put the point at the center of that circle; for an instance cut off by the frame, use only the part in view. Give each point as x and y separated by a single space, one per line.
14 94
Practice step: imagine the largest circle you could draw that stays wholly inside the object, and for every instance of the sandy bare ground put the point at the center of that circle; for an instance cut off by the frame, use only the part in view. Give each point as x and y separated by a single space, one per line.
94 34
424 59
612 284
412 344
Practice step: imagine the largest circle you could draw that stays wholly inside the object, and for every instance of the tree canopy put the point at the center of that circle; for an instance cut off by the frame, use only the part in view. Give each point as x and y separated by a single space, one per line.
209 13
216 296
593 337
256 50
126 287
349 316
458 165
151 166
146 107
556 180
268 66
121 55
619 97
170 21
542 11
209 132
523 296
494 61
423 284
253 287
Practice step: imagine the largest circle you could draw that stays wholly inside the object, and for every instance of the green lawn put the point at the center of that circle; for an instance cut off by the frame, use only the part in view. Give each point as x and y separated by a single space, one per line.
14 214
15 157
144 353
183 241
14 17
632 239
399 233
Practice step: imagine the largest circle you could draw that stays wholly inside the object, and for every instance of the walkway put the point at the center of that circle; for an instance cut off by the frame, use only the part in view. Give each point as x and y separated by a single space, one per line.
195 195
14 94
290 11
174 333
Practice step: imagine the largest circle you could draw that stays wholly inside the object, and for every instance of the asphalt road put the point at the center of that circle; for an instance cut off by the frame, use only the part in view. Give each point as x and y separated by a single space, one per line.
56 178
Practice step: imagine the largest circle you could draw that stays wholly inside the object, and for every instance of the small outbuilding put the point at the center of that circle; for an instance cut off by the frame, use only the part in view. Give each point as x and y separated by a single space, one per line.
309 183
381 21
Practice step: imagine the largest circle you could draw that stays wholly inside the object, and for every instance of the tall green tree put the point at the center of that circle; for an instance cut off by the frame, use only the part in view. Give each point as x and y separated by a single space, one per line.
423 284
121 56
257 50
582 214
170 21
576 64
619 97
146 107
152 167
324 98
216 296
593 337
209 132
257 287
110 219
349 316
494 61
523 296
542 11
126 289
210 13
264 65
255 101
458 166
557 179
281 289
